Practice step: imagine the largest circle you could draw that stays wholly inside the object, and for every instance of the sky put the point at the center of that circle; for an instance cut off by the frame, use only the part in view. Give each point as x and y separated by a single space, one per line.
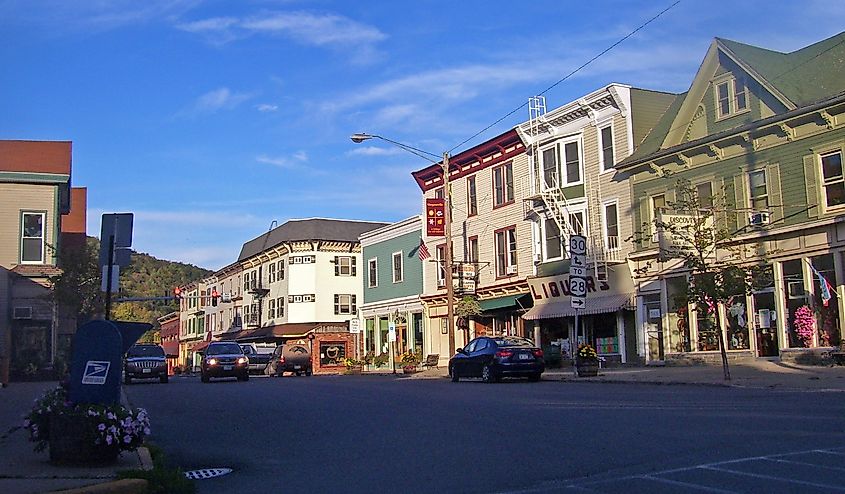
211 119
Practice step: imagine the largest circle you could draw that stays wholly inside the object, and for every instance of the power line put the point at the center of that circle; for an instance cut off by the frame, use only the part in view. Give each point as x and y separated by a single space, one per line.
588 62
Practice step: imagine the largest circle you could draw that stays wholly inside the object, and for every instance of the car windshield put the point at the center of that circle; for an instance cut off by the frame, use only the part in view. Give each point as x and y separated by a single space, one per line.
146 351
513 341
226 348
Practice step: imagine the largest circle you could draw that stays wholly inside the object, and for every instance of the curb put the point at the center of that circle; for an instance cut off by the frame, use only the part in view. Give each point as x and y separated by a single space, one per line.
124 486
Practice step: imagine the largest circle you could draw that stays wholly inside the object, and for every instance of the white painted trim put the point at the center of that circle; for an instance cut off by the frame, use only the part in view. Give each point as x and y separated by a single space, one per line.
393 267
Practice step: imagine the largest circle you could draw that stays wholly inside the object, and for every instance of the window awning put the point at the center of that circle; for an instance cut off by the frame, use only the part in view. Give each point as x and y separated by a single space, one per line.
595 305
500 302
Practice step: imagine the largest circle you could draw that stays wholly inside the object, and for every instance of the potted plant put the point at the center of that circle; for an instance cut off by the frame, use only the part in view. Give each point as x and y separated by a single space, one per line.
410 360
353 366
805 325
586 361
381 360
84 434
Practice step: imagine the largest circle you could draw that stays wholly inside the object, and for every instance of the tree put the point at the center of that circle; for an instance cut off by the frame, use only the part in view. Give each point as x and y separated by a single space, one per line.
76 289
695 231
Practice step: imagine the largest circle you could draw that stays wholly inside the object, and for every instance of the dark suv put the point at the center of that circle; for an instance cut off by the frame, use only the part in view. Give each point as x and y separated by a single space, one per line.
144 362
291 357
224 359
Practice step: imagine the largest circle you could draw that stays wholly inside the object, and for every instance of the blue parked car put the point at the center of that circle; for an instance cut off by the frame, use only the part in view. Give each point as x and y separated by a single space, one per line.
492 358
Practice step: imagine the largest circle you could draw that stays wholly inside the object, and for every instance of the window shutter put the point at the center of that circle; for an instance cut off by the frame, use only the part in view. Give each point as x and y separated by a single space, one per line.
741 196
354 266
354 305
811 182
337 304
336 266
775 196
645 227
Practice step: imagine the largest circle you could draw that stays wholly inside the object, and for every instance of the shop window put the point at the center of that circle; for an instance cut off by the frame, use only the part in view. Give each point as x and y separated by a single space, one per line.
827 308
370 335
796 298
332 353
678 330
605 334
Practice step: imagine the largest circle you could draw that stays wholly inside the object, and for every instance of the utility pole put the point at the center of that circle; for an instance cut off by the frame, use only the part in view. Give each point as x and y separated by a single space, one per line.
450 288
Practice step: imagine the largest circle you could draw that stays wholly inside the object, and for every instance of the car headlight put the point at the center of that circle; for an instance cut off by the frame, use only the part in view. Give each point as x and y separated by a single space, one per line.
242 360
212 361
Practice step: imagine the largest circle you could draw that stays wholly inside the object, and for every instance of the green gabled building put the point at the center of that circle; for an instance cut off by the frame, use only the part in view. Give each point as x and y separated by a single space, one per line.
764 131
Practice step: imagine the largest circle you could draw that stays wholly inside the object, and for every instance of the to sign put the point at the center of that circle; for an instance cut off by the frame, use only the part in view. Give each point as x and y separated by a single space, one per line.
578 271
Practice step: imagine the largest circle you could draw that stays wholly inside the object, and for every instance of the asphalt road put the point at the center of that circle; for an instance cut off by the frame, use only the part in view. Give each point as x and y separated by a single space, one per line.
349 434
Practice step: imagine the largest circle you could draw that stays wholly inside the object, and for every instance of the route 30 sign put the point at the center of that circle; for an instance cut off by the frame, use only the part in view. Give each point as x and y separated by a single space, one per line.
577 271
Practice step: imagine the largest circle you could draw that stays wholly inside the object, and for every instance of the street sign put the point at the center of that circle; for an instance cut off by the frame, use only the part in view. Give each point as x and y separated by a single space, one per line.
578 302
577 286
391 332
579 271
115 279
577 244
119 227
354 326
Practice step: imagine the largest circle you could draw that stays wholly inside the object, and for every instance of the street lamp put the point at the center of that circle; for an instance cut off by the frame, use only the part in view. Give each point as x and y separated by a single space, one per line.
444 163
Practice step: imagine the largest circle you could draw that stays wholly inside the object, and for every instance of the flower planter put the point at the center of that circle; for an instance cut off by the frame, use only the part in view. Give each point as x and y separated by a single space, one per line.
587 369
70 443
409 369
355 369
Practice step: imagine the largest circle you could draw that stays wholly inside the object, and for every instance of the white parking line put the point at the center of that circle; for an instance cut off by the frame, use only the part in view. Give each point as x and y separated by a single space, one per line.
778 479
806 464
686 485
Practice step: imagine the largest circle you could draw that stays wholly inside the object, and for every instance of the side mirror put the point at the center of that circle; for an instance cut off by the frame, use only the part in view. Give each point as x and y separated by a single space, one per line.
460 350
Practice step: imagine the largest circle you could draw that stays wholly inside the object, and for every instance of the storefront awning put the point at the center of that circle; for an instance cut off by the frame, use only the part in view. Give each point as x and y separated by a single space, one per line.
595 305
500 302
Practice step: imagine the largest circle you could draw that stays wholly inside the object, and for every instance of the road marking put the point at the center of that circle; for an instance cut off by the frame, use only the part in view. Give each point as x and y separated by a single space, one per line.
771 477
685 484
804 463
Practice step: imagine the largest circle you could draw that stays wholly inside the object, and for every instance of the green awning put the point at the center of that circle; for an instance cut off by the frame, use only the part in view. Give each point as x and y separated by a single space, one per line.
500 302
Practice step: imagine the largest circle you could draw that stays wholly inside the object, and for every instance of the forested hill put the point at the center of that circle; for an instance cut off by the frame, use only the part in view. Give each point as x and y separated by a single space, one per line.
147 276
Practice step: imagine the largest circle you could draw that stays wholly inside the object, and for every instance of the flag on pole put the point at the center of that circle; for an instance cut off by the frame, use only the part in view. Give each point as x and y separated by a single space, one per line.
422 251
826 289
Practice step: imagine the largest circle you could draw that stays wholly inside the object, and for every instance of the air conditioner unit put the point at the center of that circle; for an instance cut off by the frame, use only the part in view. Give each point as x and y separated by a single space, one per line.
22 313
759 218
538 258
511 269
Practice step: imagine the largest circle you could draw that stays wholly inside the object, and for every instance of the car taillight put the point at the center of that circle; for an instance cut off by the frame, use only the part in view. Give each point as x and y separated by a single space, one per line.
504 354
538 353
281 360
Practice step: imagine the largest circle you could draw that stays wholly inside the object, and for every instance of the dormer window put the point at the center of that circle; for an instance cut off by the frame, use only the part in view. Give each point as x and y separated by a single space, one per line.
731 97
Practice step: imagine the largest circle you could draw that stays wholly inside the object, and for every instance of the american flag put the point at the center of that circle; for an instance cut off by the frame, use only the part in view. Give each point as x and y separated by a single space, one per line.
422 251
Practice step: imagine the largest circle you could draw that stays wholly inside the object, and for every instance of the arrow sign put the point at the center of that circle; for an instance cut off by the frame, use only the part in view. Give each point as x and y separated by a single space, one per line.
578 302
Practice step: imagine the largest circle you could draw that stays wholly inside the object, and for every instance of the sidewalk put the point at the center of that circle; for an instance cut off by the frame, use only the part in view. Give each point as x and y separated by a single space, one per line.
24 471
761 374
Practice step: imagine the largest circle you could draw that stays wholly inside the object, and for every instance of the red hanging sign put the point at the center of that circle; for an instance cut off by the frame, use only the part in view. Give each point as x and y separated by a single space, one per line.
435 217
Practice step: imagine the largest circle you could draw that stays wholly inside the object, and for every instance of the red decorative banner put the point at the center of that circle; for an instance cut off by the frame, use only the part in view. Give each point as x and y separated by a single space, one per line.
435 217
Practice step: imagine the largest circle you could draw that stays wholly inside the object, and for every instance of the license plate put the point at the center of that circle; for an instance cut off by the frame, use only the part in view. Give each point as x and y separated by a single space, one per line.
228 367
297 366
523 356
146 371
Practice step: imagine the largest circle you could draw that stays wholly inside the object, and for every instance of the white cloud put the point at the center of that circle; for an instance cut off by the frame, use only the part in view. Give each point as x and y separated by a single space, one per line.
213 101
374 151
290 162
266 108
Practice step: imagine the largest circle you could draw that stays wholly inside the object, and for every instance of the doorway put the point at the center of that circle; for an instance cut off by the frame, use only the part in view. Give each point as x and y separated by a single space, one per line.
654 327
765 324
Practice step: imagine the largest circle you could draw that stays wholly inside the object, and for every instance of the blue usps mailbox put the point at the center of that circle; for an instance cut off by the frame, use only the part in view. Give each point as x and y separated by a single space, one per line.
98 347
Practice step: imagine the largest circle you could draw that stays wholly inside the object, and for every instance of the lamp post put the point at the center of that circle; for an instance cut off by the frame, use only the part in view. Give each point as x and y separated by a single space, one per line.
447 194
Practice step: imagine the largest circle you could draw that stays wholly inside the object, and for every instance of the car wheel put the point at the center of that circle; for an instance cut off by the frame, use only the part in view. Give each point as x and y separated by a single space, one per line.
534 377
163 379
488 375
453 375
203 378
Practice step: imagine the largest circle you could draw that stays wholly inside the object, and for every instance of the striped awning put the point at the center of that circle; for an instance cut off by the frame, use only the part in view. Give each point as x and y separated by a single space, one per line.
595 305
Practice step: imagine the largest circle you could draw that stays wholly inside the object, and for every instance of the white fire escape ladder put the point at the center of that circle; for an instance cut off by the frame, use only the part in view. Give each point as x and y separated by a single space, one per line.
598 251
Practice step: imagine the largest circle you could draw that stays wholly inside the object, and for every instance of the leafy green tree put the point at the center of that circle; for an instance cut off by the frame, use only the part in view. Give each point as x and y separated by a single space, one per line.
695 231
76 290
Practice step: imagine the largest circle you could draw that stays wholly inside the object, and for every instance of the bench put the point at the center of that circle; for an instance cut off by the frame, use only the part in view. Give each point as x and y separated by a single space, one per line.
431 360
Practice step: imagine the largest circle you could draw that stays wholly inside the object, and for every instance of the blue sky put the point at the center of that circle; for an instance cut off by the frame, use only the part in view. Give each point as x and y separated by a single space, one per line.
209 119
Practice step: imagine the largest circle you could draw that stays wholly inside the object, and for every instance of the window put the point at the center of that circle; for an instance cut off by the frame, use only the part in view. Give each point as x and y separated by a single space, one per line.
658 205
344 266
472 197
576 223
550 168
572 163
554 240
502 185
280 307
280 270
438 193
505 252
606 143
344 304
731 97
441 261
611 226
397 267
704 193
271 273
271 308
332 353
759 191
372 273
472 249
32 238
834 182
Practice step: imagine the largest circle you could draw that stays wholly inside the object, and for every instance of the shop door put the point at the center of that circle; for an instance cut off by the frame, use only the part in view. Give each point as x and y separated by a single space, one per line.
765 324
654 327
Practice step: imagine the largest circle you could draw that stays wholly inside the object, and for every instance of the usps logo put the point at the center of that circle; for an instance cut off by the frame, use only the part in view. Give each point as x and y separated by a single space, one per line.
96 372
